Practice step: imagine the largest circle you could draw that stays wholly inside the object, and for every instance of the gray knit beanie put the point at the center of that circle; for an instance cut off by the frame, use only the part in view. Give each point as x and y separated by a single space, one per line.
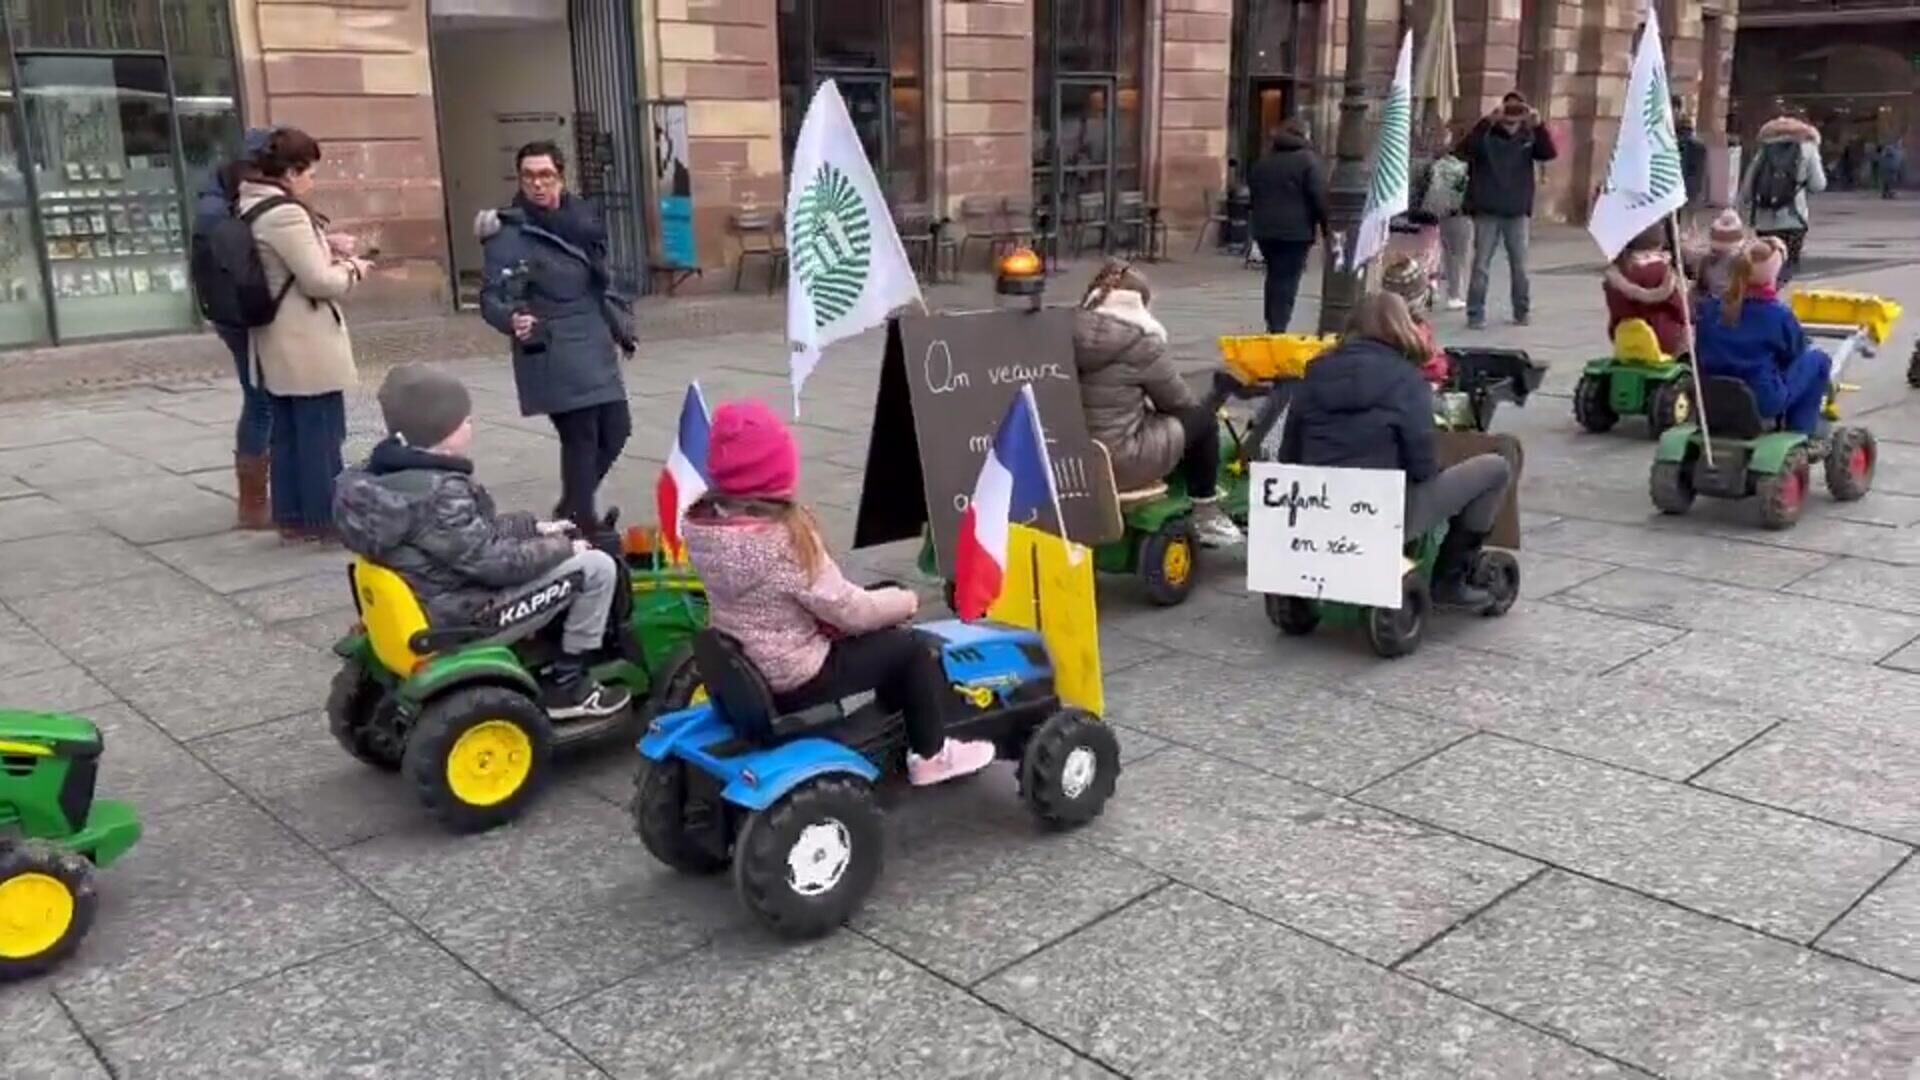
422 404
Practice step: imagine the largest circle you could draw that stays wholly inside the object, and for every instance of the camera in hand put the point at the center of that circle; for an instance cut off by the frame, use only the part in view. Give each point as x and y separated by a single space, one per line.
518 280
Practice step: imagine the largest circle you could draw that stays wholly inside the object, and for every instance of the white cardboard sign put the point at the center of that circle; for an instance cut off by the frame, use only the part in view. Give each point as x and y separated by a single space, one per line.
1327 534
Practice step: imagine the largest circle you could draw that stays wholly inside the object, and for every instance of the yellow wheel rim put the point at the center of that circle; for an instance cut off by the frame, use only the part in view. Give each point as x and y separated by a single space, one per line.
1682 408
699 695
36 911
1176 565
489 762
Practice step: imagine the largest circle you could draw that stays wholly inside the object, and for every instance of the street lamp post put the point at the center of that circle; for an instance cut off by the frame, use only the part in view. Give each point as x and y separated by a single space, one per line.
1347 188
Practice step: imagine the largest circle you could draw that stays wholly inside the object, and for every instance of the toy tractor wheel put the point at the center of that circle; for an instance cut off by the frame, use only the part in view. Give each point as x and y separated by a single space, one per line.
1498 572
669 825
1851 462
1783 495
1294 615
47 905
1395 632
356 714
478 756
804 865
1913 367
1166 562
1069 768
1593 404
1670 406
1671 486
679 686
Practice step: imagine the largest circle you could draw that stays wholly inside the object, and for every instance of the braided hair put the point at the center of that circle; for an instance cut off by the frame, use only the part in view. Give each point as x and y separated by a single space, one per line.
1116 274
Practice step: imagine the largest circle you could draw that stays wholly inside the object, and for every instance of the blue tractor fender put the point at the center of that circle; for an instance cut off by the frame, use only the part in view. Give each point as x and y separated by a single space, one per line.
677 733
760 780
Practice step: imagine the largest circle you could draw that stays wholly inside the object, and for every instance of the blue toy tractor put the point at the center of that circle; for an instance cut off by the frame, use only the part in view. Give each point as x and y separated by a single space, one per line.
787 799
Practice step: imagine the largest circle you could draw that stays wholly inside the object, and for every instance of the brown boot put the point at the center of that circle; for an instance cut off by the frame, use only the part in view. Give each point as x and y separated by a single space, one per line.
250 473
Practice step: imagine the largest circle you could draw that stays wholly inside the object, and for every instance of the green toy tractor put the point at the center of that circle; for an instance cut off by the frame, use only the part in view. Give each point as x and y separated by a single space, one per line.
460 715
52 836
1637 380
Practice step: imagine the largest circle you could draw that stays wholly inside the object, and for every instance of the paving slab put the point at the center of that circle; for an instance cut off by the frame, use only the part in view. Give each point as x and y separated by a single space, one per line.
1673 992
63 466
144 766
62 564
1709 558
31 515
1906 659
1756 866
153 609
839 1009
1884 929
296 770
1847 631
219 684
1300 730
67 688
1837 536
1790 683
298 598
41 1041
233 561
1374 883
150 510
1651 728
1857 770
1865 582
1230 627
1542 575
1181 985
1551 633
394 1006
213 896
13 489
22 650
560 904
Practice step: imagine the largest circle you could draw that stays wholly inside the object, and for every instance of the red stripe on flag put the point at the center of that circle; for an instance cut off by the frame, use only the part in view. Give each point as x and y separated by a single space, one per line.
977 578
666 500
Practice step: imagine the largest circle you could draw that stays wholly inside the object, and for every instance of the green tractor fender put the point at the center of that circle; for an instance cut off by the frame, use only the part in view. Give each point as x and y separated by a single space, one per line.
1676 443
1151 516
475 664
1769 452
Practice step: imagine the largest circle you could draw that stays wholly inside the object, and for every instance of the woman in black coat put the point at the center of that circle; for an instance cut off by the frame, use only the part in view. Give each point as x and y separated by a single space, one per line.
1289 194
548 289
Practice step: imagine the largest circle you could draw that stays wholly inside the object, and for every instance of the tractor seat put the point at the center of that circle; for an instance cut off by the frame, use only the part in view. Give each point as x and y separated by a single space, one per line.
743 697
1634 342
397 623
1731 408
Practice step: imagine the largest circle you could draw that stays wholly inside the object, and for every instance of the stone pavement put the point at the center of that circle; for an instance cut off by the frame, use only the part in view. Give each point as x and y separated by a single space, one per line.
1659 820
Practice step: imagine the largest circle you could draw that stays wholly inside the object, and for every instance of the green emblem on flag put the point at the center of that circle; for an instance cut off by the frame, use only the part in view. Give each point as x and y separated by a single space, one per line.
832 247
1396 133
1665 159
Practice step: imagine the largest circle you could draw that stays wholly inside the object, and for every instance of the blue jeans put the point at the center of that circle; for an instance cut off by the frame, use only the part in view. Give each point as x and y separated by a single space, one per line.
1510 233
307 435
1803 390
255 426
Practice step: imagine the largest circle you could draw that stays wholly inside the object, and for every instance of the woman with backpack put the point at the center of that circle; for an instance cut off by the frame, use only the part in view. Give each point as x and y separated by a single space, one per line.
254 429
1443 193
1784 169
302 355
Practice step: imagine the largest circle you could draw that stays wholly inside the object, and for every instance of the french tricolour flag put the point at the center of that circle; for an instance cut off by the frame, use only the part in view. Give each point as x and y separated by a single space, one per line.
1015 485
684 479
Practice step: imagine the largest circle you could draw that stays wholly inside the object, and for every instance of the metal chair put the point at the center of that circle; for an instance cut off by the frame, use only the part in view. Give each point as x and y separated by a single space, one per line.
759 235
914 222
1090 214
1216 207
1016 224
1129 223
980 217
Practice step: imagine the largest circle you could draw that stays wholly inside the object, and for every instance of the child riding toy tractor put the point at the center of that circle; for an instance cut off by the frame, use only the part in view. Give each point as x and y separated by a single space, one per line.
461 715
53 833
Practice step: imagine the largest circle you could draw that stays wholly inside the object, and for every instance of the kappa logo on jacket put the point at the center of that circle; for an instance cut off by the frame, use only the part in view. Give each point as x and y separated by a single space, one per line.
540 603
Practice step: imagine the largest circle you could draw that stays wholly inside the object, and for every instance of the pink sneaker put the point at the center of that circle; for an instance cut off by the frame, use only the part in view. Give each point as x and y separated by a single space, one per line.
956 759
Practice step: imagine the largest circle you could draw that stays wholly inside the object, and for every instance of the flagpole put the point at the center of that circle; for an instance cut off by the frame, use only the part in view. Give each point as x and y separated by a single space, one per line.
1693 350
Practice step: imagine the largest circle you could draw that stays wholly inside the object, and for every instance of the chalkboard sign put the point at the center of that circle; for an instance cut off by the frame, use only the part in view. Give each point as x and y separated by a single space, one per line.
945 383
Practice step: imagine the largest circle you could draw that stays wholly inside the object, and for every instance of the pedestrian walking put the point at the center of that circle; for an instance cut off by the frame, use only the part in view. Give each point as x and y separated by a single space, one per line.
304 356
548 289
1444 195
254 428
1784 169
1501 152
1893 163
1289 192
1693 166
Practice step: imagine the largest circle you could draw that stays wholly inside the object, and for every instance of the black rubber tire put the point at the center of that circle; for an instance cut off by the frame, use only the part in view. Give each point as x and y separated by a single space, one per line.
1161 589
1498 572
1397 632
659 815
1777 509
1843 483
1593 405
1295 616
442 721
1050 779
1913 367
71 870
353 702
760 856
673 690
1670 485
1664 409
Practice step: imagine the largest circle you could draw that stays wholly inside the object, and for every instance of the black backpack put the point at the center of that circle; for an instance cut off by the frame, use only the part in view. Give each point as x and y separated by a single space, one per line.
228 276
1776 176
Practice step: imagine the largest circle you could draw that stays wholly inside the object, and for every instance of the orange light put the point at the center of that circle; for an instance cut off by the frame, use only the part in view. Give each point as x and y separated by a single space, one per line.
1020 263
639 541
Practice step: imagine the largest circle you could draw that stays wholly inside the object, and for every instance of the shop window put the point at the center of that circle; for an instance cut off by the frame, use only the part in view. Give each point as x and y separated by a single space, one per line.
1088 58
106 25
872 51
23 303
205 96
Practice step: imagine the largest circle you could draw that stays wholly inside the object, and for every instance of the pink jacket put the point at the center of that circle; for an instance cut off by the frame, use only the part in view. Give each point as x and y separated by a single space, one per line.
761 597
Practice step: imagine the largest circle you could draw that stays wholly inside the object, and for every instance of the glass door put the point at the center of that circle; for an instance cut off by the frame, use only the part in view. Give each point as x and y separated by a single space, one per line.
1083 124
1266 110
23 300
100 136
869 98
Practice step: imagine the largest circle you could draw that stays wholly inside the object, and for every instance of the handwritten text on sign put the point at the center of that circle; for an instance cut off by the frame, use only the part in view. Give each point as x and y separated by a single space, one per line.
1326 534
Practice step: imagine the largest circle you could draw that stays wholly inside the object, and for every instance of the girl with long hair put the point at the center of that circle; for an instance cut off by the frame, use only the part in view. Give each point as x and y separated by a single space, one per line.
1748 334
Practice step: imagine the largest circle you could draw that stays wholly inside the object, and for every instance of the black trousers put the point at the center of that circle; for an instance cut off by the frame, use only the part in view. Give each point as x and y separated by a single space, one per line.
900 666
1200 465
590 442
1286 260
1795 239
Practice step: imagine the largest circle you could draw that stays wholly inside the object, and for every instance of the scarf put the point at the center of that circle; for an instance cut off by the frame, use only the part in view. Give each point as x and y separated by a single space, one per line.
1126 306
573 221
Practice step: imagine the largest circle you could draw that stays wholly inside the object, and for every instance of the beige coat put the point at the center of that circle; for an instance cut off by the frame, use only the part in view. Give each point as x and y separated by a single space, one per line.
305 351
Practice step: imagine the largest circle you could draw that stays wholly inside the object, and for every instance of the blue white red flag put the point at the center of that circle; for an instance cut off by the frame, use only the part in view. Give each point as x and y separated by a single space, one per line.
684 479
1015 487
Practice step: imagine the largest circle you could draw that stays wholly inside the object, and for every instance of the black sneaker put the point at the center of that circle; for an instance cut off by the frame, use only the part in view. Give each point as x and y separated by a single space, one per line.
585 698
1456 591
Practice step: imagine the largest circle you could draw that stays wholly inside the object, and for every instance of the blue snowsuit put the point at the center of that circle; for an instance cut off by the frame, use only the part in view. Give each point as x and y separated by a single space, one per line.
1767 350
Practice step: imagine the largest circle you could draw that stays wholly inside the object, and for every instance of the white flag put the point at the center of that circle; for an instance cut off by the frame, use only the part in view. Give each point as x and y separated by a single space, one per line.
849 270
1392 155
1644 183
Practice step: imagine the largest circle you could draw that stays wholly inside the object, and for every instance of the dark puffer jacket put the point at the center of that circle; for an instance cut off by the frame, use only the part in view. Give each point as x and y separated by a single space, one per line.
1362 406
1288 193
576 364
1500 167
423 516
1130 389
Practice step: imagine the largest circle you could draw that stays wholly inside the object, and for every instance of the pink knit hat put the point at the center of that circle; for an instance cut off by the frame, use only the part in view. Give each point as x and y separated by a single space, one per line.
1766 258
1726 232
751 454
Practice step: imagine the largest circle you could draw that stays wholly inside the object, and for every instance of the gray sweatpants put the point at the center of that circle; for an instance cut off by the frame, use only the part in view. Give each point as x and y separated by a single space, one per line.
1473 489
587 605
1510 233
1456 254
